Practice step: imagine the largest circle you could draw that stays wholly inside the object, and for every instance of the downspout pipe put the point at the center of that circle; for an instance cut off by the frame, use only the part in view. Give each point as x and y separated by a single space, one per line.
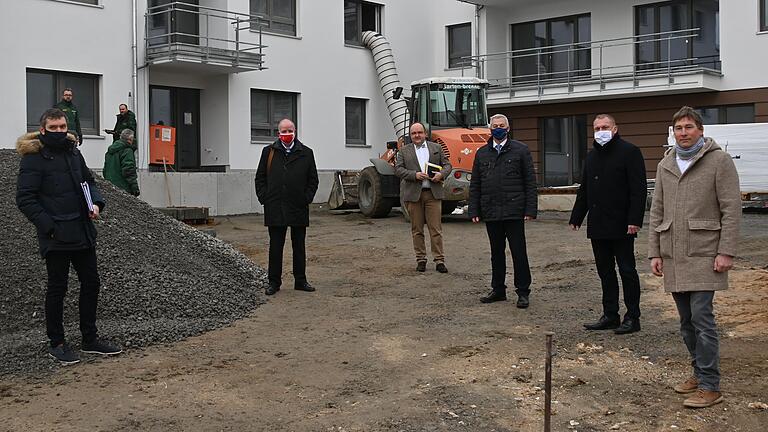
135 84
384 61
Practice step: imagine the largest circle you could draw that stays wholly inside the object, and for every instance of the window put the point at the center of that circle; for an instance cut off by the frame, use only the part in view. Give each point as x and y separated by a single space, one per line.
728 114
564 143
354 120
666 46
763 15
360 16
44 88
267 109
279 16
459 45
570 58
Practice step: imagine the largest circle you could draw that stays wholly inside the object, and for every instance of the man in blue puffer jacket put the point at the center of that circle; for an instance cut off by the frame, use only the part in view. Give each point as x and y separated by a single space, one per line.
502 193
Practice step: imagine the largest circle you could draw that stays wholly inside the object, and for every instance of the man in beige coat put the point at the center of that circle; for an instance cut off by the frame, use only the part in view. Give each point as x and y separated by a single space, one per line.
423 194
694 232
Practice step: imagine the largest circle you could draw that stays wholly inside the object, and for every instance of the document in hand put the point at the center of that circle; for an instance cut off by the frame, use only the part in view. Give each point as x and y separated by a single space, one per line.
87 194
431 169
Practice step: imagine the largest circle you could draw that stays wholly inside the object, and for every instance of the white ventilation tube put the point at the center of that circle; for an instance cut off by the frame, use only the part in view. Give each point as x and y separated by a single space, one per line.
384 61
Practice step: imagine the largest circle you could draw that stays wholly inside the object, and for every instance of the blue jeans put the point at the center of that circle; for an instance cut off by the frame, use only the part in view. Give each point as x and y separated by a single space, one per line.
697 325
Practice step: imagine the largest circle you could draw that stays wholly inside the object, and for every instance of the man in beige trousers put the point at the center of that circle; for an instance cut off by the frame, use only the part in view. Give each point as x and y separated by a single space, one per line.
423 194
694 231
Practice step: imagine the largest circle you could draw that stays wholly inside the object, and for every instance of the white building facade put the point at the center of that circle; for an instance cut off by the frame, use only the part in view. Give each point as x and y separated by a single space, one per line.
222 80
222 89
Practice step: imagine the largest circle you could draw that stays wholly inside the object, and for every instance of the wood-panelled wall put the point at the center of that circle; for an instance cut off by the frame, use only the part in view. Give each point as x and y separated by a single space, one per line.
642 121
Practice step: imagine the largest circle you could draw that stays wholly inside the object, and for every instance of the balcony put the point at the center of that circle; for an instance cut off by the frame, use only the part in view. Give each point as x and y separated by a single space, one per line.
636 65
187 37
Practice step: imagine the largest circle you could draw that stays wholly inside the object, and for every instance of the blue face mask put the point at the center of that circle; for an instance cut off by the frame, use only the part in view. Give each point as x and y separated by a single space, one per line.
499 133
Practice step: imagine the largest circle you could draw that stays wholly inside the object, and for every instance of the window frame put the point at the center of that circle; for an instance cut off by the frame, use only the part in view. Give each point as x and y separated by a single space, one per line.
356 142
459 64
58 88
763 17
690 12
359 18
722 112
263 139
269 18
550 73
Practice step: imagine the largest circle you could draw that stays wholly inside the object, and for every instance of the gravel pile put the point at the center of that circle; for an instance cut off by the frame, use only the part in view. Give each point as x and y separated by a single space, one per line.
162 281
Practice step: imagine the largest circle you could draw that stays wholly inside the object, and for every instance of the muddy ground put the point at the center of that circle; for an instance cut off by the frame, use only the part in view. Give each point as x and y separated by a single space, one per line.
380 347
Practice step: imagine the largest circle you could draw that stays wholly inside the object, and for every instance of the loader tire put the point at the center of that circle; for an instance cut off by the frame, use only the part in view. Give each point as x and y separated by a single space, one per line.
371 200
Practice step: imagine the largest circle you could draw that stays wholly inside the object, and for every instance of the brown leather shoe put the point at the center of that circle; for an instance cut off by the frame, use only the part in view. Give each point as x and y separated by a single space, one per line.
421 266
688 386
703 398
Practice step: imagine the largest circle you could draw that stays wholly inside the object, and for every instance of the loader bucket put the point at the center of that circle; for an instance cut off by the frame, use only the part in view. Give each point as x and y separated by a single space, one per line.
344 191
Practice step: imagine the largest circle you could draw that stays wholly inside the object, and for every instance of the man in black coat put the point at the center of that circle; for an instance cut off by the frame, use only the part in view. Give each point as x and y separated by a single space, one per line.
286 183
502 193
613 192
51 192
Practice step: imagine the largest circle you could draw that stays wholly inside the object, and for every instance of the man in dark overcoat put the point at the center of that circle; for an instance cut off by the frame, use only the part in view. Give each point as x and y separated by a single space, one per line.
286 183
613 193
55 190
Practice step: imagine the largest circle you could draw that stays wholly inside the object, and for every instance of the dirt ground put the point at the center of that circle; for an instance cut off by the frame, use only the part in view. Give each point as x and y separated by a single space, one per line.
380 347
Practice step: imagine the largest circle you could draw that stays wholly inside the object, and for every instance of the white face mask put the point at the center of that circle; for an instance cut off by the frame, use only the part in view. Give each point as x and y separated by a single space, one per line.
602 137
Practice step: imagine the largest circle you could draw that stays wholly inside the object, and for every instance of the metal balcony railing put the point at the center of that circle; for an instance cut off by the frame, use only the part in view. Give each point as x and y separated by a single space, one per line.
184 32
665 55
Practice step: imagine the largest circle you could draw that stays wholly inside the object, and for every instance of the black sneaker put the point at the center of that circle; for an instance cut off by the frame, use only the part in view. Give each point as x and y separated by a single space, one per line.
64 354
101 347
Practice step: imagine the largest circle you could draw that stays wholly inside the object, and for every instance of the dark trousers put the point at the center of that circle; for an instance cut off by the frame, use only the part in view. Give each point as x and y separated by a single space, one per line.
276 245
697 325
57 263
608 254
498 234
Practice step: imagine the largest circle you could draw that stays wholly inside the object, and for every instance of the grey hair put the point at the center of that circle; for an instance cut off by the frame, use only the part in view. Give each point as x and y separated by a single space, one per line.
126 134
501 116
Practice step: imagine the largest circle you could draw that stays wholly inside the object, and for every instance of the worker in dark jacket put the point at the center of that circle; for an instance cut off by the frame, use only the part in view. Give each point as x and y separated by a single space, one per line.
502 193
613 193
126 119
73 116
120 165
57 193
286 183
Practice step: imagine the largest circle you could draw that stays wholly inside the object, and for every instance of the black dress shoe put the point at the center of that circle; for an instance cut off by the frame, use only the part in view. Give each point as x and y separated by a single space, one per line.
522 301
604 323
421 266
271 290
304 287
494 296
630 325
441 268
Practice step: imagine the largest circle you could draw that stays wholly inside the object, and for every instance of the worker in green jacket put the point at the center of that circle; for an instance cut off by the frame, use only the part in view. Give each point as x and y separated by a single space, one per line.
125 120
120 164
70 111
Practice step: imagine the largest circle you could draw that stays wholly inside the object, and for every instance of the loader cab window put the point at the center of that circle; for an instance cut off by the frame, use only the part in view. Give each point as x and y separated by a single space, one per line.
421 106
457 105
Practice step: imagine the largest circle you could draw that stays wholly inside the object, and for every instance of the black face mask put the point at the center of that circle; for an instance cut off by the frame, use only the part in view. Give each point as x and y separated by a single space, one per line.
55 140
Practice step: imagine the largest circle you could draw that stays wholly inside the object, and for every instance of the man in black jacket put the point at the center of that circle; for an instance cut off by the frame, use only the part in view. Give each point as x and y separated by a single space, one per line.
286 183
502 193
613 192
51 192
